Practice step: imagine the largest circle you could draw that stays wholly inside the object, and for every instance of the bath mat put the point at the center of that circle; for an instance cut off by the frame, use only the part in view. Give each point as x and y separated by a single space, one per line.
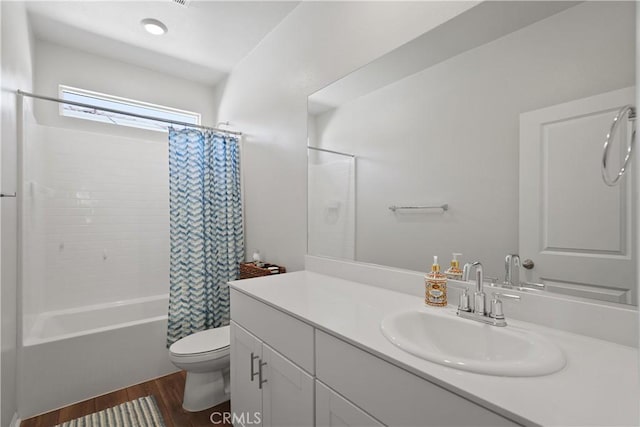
141 412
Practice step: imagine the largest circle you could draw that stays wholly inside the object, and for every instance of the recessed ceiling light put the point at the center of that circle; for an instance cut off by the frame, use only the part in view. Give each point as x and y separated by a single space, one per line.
153 26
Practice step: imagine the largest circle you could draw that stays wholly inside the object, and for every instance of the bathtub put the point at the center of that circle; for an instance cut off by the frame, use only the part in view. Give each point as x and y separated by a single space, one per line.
72 355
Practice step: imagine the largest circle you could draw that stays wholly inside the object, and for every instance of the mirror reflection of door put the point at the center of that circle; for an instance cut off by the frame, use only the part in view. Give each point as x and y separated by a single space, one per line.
576 229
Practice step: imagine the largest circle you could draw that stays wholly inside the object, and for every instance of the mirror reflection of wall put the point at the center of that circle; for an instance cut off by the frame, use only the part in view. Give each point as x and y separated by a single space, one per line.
450 133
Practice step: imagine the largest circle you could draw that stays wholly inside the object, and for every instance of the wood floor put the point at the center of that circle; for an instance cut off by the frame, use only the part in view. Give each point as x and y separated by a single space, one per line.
166 390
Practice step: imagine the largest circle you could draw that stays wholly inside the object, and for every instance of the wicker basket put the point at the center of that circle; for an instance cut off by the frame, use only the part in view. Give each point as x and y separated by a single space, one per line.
249 270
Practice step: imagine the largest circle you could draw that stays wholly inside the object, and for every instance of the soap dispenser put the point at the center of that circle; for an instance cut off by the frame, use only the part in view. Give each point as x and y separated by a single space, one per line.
435 286
454 272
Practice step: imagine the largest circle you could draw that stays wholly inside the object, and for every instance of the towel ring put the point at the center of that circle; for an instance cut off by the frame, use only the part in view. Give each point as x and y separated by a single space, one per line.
607 145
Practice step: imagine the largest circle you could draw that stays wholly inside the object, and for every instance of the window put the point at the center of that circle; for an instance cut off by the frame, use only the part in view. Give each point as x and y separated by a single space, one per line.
121 104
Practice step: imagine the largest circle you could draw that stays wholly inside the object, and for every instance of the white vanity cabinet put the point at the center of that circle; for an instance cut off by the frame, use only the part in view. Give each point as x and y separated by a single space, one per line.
271 366
310 377
391 394
264 382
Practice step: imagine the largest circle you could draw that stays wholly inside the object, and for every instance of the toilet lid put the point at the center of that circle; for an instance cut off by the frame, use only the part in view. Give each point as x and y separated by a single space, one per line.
202 342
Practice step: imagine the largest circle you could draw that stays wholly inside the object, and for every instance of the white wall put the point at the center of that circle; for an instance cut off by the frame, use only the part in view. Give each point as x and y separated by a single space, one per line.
16 65
266 97
450 134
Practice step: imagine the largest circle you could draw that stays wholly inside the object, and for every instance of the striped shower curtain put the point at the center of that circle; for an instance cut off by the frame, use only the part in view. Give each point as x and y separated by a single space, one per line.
206 229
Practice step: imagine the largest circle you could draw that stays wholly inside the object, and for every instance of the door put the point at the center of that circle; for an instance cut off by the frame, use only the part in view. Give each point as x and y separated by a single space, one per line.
333 410
287 392
579 232
246 396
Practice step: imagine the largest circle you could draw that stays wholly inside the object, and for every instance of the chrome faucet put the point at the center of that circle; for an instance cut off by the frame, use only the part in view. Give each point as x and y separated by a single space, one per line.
466 270
510 261
478 296
495 317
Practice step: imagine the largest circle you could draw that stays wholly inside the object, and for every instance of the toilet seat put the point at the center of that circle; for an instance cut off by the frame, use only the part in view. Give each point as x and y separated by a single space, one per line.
204 345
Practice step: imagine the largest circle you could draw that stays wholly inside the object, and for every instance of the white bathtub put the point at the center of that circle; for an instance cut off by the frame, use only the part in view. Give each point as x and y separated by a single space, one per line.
61 324
72 355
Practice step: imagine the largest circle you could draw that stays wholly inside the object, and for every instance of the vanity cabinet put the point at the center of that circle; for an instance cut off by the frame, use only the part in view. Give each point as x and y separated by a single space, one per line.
272 365
352 387
391 394
266 383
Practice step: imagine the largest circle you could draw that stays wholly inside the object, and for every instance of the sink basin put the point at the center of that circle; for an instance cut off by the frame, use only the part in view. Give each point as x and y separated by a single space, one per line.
444 338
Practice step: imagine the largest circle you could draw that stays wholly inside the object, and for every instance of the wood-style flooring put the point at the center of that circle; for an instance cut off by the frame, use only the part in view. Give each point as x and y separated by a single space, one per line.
166 390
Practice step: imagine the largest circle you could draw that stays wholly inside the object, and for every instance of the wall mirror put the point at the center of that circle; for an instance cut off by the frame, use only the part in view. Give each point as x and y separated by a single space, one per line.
484 136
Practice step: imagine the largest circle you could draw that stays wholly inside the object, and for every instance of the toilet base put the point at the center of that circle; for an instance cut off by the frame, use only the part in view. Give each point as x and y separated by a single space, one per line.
204 390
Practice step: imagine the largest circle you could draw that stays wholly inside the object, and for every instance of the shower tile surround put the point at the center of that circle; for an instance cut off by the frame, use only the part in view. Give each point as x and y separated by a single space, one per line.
345 315
96 219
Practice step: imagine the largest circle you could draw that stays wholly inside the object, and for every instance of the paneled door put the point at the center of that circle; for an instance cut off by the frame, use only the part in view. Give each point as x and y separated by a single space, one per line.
579 232
246 396
287 398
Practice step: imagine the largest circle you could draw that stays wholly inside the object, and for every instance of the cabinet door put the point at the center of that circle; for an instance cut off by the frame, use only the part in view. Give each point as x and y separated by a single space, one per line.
334 410
287 392
246 396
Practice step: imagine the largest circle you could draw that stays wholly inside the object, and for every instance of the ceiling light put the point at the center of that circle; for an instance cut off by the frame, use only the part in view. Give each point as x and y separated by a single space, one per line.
153 26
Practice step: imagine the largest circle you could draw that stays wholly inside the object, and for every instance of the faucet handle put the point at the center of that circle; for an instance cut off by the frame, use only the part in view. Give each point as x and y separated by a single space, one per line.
463 302
507 296
496 309
496 305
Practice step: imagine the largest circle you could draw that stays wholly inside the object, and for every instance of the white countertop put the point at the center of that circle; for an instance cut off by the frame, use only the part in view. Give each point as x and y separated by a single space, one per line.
599 386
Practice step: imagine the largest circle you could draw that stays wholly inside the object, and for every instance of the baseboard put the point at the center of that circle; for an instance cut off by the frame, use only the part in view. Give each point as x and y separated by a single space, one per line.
15 421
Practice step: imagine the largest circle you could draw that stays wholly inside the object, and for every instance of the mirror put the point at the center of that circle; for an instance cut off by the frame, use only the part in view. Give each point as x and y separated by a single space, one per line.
484 136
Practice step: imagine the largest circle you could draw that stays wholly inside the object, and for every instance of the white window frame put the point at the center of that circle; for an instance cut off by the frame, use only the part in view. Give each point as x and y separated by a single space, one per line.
144 108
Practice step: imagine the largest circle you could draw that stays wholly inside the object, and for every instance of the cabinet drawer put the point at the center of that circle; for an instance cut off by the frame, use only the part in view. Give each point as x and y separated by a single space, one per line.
289 336
333 410
393 395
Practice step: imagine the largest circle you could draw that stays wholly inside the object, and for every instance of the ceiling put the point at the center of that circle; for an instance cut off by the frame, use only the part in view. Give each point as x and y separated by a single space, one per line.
206 39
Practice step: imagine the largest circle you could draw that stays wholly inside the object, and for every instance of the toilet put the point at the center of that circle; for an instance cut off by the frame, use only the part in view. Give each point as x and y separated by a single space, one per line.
205 357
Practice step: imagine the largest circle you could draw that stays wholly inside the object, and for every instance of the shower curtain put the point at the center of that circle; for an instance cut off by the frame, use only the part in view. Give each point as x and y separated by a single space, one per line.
206 229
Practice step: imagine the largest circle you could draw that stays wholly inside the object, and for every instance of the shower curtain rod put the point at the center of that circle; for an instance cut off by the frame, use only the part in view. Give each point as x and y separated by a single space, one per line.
111 110
331 151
